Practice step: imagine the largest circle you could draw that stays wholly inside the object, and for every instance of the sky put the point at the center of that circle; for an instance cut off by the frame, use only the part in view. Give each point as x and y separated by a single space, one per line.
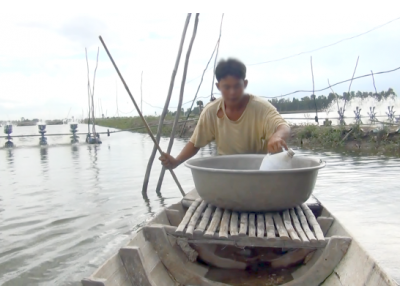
43 70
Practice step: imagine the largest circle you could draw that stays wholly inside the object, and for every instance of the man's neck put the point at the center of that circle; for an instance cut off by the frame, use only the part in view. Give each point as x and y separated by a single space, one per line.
239 105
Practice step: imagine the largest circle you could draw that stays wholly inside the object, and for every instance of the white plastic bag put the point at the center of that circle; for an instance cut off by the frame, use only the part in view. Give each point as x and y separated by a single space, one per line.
279 161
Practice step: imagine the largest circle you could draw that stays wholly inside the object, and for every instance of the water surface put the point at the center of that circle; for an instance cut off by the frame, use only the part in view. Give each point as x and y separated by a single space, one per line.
65 209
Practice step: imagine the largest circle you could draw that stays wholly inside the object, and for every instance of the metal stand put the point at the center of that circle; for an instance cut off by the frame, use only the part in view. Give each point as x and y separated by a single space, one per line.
74 137
42 139
8 131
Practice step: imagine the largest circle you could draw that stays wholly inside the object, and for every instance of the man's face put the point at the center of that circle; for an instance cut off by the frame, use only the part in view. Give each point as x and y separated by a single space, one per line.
232 88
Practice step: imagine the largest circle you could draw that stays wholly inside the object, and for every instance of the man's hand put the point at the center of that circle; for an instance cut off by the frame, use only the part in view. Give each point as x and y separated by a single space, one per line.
276 143
169 161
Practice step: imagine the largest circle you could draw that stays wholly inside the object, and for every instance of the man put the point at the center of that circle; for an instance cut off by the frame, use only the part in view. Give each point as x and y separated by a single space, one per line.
239 123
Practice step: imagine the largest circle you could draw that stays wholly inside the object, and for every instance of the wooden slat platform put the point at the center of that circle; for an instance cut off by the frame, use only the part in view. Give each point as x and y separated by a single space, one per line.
296 226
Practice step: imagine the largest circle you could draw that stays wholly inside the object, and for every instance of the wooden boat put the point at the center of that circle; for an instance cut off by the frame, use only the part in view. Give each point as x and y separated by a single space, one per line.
194 244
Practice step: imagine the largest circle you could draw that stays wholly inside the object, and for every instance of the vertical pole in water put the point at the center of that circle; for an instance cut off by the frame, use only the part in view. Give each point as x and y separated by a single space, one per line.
116 97
166 105
141 94
178 111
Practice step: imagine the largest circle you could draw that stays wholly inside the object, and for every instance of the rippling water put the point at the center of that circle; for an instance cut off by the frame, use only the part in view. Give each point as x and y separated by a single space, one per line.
65 209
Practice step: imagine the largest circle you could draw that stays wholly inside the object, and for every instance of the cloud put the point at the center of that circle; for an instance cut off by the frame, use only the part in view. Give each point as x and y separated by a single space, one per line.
83 30
43 67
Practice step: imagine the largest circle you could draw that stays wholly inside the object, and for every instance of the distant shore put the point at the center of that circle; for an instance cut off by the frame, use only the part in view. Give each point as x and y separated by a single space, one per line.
365 140
135 124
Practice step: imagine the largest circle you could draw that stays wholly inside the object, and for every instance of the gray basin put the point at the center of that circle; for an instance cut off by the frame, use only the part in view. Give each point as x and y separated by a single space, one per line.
235 182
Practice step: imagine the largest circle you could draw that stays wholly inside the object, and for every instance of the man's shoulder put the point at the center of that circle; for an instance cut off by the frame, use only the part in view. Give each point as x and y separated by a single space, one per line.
212 106
261 104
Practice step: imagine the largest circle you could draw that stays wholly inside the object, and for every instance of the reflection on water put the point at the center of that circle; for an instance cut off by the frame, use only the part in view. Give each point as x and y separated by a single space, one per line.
44 162
64 209
9 156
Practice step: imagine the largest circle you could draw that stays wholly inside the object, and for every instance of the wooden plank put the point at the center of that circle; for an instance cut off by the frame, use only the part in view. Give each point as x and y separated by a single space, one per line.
195 218
260 226
188 215
223 231
252 225
134 265
297 226
245 241
192 195
288 224
190 253
205 219
269 224
325 223
234 224
313 222
244 221
174 216
186 203
291 258
214 222
304 224
280 227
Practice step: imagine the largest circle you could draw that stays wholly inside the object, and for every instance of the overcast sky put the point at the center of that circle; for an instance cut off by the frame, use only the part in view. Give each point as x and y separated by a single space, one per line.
43 67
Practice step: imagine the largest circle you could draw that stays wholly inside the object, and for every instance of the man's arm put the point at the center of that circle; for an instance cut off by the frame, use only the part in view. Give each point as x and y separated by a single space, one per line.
187 152
278 139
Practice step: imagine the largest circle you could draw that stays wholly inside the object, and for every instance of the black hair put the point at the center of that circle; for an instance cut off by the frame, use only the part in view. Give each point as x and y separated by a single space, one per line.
230 67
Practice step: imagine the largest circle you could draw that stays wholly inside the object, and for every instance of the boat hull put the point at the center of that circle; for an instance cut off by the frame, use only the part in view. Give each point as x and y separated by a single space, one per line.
156 257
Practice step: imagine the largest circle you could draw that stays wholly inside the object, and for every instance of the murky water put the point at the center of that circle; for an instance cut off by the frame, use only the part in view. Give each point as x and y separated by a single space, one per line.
65 209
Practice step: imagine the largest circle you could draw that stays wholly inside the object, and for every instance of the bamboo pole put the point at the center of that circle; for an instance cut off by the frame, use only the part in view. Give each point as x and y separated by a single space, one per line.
94 81
216 57
197 92
313 93
178 110
140 114
202 76
351 82
166 105
141 93
88 87
116 97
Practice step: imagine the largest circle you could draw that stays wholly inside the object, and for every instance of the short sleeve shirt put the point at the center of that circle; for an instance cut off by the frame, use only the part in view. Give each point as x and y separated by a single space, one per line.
248 135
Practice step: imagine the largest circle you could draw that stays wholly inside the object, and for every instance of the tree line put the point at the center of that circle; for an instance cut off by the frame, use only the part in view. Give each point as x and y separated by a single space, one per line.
322 102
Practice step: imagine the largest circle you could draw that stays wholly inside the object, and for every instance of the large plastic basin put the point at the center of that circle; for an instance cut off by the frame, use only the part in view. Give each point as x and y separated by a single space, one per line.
235 182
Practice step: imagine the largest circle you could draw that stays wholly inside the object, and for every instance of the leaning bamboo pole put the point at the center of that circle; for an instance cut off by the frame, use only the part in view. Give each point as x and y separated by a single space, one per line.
166 105
178 110
140 114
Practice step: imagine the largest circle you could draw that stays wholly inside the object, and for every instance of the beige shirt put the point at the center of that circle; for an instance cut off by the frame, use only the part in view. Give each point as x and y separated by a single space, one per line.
248 135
